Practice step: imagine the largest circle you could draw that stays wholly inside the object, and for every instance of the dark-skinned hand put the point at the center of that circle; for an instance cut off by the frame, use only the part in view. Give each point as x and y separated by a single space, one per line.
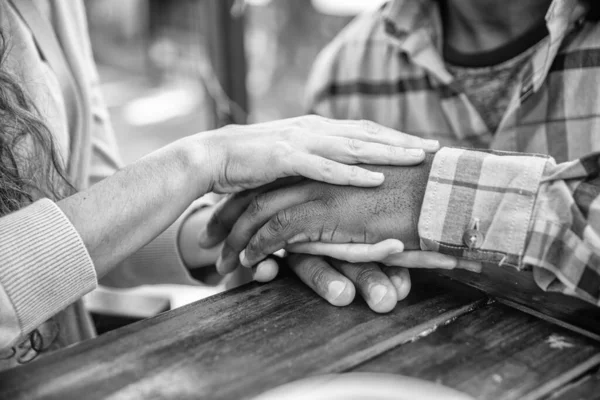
277 217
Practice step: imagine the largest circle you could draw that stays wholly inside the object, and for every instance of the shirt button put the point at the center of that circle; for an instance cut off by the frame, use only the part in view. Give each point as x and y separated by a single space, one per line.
472 238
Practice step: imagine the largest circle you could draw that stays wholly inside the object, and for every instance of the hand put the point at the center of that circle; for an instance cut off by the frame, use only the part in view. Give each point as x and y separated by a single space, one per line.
313 211
329 282
187 240
389 252
244 157
338 281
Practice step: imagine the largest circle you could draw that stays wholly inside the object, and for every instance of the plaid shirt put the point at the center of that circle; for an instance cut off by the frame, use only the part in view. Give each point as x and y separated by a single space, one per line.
533 202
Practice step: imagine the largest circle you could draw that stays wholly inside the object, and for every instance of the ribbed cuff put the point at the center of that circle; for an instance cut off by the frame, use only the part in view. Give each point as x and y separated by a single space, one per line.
44 265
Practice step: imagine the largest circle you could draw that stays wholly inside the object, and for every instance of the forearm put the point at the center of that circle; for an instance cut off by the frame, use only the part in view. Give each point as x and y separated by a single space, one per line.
122 213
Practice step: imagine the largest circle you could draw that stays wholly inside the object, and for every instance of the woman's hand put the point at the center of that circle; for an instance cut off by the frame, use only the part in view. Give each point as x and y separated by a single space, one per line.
389 252
358 268
248 156
122 213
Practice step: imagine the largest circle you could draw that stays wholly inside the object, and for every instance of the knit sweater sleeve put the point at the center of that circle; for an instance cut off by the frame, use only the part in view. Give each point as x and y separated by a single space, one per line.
44 267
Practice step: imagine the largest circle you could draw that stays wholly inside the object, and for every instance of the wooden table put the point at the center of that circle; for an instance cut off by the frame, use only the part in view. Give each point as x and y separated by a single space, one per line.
240 343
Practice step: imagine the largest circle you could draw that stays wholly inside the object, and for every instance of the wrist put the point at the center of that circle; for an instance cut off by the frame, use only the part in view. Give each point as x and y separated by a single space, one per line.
418 181
197 162
423 171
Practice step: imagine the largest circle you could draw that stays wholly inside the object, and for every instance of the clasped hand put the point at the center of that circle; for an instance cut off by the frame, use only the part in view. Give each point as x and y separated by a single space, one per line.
351 224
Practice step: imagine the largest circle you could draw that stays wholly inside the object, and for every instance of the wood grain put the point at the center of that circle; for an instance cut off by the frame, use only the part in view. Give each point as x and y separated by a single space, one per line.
235 345
520 288
494 352
586 388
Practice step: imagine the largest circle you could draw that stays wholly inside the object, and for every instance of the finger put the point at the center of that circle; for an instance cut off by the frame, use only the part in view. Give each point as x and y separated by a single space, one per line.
299 224
223 217
258 212
322 169
400 278
354 151
228 260
321 277
351 252
373 285
265 271
429 260
470 265
228 210
372 132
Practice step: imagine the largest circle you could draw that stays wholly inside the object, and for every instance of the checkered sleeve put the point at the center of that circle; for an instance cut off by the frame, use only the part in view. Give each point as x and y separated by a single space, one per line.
520 210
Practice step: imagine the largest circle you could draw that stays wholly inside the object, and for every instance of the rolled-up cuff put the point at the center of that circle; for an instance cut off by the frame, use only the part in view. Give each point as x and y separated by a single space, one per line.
478 204
44 264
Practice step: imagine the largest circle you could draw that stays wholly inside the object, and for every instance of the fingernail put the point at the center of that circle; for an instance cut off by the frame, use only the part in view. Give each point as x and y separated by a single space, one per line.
448 263
376 176
335 289
431 144
377 293
244 260
396 251
472 266
415 152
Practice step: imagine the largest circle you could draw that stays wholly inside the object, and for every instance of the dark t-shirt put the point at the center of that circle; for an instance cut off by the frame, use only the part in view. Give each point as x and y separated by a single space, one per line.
490 78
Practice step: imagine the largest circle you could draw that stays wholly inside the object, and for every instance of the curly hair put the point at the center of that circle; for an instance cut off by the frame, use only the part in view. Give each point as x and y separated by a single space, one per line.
30 166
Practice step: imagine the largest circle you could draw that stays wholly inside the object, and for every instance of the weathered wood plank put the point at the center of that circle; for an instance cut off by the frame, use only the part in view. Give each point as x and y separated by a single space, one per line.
586 388
495 352
234 345
520 288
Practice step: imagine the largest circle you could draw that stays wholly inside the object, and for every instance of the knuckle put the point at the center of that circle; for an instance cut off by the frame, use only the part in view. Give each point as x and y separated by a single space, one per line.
310 121
327 167
317 274
253 247
280 222
365 276
369 126
281 150
287 134
354 145
354 172
392 151
256 206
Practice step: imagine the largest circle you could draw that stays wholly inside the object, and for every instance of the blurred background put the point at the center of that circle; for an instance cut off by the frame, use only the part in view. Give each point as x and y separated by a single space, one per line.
171 68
